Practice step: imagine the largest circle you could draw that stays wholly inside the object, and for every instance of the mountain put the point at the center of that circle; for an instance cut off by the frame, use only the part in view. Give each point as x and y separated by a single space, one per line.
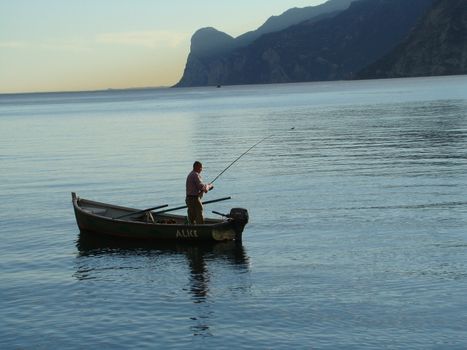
209 41
437 46
330 48
294 16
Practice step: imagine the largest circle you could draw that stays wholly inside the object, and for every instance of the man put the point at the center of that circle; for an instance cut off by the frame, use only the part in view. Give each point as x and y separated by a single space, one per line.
195 188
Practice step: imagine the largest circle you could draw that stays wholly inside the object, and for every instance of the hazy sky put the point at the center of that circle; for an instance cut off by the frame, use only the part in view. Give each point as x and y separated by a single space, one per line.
57 45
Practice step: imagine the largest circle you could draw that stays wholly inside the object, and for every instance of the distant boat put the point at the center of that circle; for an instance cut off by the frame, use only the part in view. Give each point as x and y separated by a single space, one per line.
116 221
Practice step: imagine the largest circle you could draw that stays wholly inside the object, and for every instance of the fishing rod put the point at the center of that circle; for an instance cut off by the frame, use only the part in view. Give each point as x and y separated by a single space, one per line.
236 160
244 153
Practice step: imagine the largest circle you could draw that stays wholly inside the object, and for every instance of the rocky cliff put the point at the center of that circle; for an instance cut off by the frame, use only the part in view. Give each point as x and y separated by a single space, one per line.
437 46
335 46
208 43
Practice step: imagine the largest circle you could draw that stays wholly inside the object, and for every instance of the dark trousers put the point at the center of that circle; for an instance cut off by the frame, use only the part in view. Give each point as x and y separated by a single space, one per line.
195 210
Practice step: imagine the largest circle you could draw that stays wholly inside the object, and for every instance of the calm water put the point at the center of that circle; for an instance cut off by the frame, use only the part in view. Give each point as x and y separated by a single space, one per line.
358 232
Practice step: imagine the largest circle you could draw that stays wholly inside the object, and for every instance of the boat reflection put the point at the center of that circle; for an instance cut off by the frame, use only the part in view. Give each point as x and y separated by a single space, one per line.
197 255
89 244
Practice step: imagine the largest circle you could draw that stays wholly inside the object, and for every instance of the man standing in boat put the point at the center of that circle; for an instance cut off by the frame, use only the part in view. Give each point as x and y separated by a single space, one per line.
195 188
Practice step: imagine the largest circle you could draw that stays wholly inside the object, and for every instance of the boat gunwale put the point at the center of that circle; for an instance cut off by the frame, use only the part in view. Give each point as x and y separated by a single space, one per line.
76 199
102 204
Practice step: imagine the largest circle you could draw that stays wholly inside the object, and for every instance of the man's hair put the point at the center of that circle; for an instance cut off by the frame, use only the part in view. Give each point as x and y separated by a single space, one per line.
196 164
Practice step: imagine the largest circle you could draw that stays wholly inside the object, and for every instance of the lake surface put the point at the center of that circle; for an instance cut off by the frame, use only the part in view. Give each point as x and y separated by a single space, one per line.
358 217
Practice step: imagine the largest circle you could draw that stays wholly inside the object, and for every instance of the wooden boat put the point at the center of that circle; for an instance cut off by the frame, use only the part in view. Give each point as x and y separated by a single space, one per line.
116 221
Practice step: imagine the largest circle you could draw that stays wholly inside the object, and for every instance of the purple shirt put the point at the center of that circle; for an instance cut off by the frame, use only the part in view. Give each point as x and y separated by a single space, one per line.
195 185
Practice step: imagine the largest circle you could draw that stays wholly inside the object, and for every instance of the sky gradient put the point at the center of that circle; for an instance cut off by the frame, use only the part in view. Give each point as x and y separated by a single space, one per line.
73 45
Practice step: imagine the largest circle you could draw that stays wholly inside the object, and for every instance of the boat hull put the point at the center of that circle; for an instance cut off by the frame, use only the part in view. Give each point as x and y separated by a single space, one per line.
93 217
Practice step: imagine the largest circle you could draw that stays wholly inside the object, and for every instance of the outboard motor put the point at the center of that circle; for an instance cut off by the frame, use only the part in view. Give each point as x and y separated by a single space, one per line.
240 218
239 214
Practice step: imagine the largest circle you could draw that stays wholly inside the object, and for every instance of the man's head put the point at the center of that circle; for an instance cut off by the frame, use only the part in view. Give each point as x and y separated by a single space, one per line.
197 166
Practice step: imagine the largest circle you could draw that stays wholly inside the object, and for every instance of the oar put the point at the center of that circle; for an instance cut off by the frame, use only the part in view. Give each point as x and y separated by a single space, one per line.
184 206
142 211
217 213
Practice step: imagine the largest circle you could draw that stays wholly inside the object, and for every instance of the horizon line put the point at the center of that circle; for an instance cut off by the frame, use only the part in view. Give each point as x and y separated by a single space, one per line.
86 91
